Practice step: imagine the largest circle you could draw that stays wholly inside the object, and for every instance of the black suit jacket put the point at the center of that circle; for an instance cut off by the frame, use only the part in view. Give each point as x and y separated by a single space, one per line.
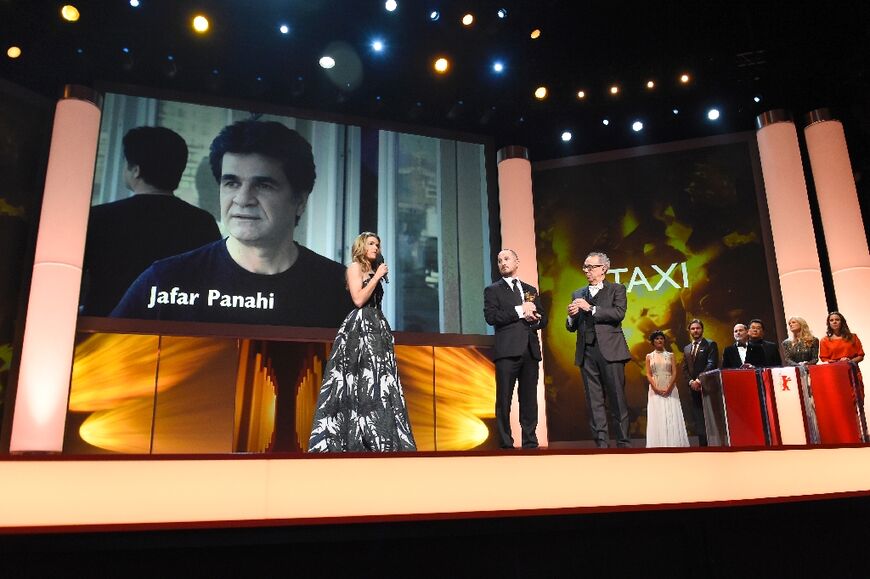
610 303
770 356
706 358
754 355
513 334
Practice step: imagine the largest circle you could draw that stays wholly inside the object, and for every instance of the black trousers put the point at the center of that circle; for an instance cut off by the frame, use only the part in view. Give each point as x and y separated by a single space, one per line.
605 380
508 371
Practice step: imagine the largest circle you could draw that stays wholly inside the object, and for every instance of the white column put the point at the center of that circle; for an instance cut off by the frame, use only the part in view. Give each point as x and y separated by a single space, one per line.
49 333
791 225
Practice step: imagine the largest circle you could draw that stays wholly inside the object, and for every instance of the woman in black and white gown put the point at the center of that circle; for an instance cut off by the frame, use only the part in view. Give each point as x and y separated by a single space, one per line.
361 406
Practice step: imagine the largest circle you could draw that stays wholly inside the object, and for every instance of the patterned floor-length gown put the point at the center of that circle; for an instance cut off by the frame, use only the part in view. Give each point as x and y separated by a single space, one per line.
361 406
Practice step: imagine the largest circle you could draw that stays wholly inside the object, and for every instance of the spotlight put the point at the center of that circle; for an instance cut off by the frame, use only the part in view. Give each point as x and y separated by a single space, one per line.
70 13
441 65
650 84
125 50
614 89
675 111
713 114
13 52
541 93
581 94
327 62
134 3
377 45
498 66
468 19
284 29
502 13
757 98
536 33
685 79
605 122
170 58
567 136
637 126
391 5
200 23
434 15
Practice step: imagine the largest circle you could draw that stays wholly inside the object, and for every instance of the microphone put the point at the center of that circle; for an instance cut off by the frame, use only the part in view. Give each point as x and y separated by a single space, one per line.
378 261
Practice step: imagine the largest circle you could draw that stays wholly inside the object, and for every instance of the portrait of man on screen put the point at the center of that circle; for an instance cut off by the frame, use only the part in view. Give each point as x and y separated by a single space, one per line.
258 274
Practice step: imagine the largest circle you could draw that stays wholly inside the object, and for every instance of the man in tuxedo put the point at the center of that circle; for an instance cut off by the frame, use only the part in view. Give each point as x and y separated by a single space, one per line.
698 357
770 350
596 313
514 309
742 353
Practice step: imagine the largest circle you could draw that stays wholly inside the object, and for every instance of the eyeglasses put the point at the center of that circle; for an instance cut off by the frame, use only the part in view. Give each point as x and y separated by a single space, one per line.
590 267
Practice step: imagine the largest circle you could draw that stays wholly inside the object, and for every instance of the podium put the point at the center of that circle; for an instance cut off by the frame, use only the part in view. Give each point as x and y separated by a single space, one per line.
838 409
820 404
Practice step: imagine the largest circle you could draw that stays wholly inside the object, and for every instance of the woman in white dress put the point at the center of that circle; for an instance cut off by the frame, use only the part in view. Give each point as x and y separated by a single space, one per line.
665 425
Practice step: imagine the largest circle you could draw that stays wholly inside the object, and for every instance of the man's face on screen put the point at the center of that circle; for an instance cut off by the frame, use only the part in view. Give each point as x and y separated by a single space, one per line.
258 206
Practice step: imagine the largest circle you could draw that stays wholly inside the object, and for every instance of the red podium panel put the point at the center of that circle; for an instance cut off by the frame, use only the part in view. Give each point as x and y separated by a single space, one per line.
839 412
735 408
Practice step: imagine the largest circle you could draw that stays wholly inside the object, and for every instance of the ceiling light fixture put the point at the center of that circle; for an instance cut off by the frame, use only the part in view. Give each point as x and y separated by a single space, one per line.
434 15
441 65
378 45
650 84
70 13
200 23
567 136
581 94
541 93
637 126
13 52
614 89
536 33
502 13
684 78
468 19
284 29
498 66
327 62
391 5
713 114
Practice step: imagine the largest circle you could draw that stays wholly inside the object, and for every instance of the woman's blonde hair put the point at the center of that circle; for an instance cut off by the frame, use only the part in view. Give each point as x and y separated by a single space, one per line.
804 335
358 250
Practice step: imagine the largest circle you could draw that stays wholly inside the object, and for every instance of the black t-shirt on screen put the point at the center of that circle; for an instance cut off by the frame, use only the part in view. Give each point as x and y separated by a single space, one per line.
206 285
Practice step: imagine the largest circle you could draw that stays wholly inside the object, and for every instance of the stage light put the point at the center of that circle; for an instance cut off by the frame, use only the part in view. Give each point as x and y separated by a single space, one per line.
605 122
637 126
713 114
80 50
541 93
377 45
434 15
498 66
757 98
327 62
215 71
536 33
502 13
391 5
134 3
441 65
685 79
581 94
284 29
170 58
200 23
468 19
675 111
650 84
614 89
566 136
125 50
70 13
13 52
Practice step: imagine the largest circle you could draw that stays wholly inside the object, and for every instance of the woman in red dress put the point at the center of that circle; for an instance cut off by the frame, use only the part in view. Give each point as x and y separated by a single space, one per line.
841 345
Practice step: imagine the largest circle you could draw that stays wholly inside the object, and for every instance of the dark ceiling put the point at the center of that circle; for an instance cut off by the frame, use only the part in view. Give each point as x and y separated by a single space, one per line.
793 57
